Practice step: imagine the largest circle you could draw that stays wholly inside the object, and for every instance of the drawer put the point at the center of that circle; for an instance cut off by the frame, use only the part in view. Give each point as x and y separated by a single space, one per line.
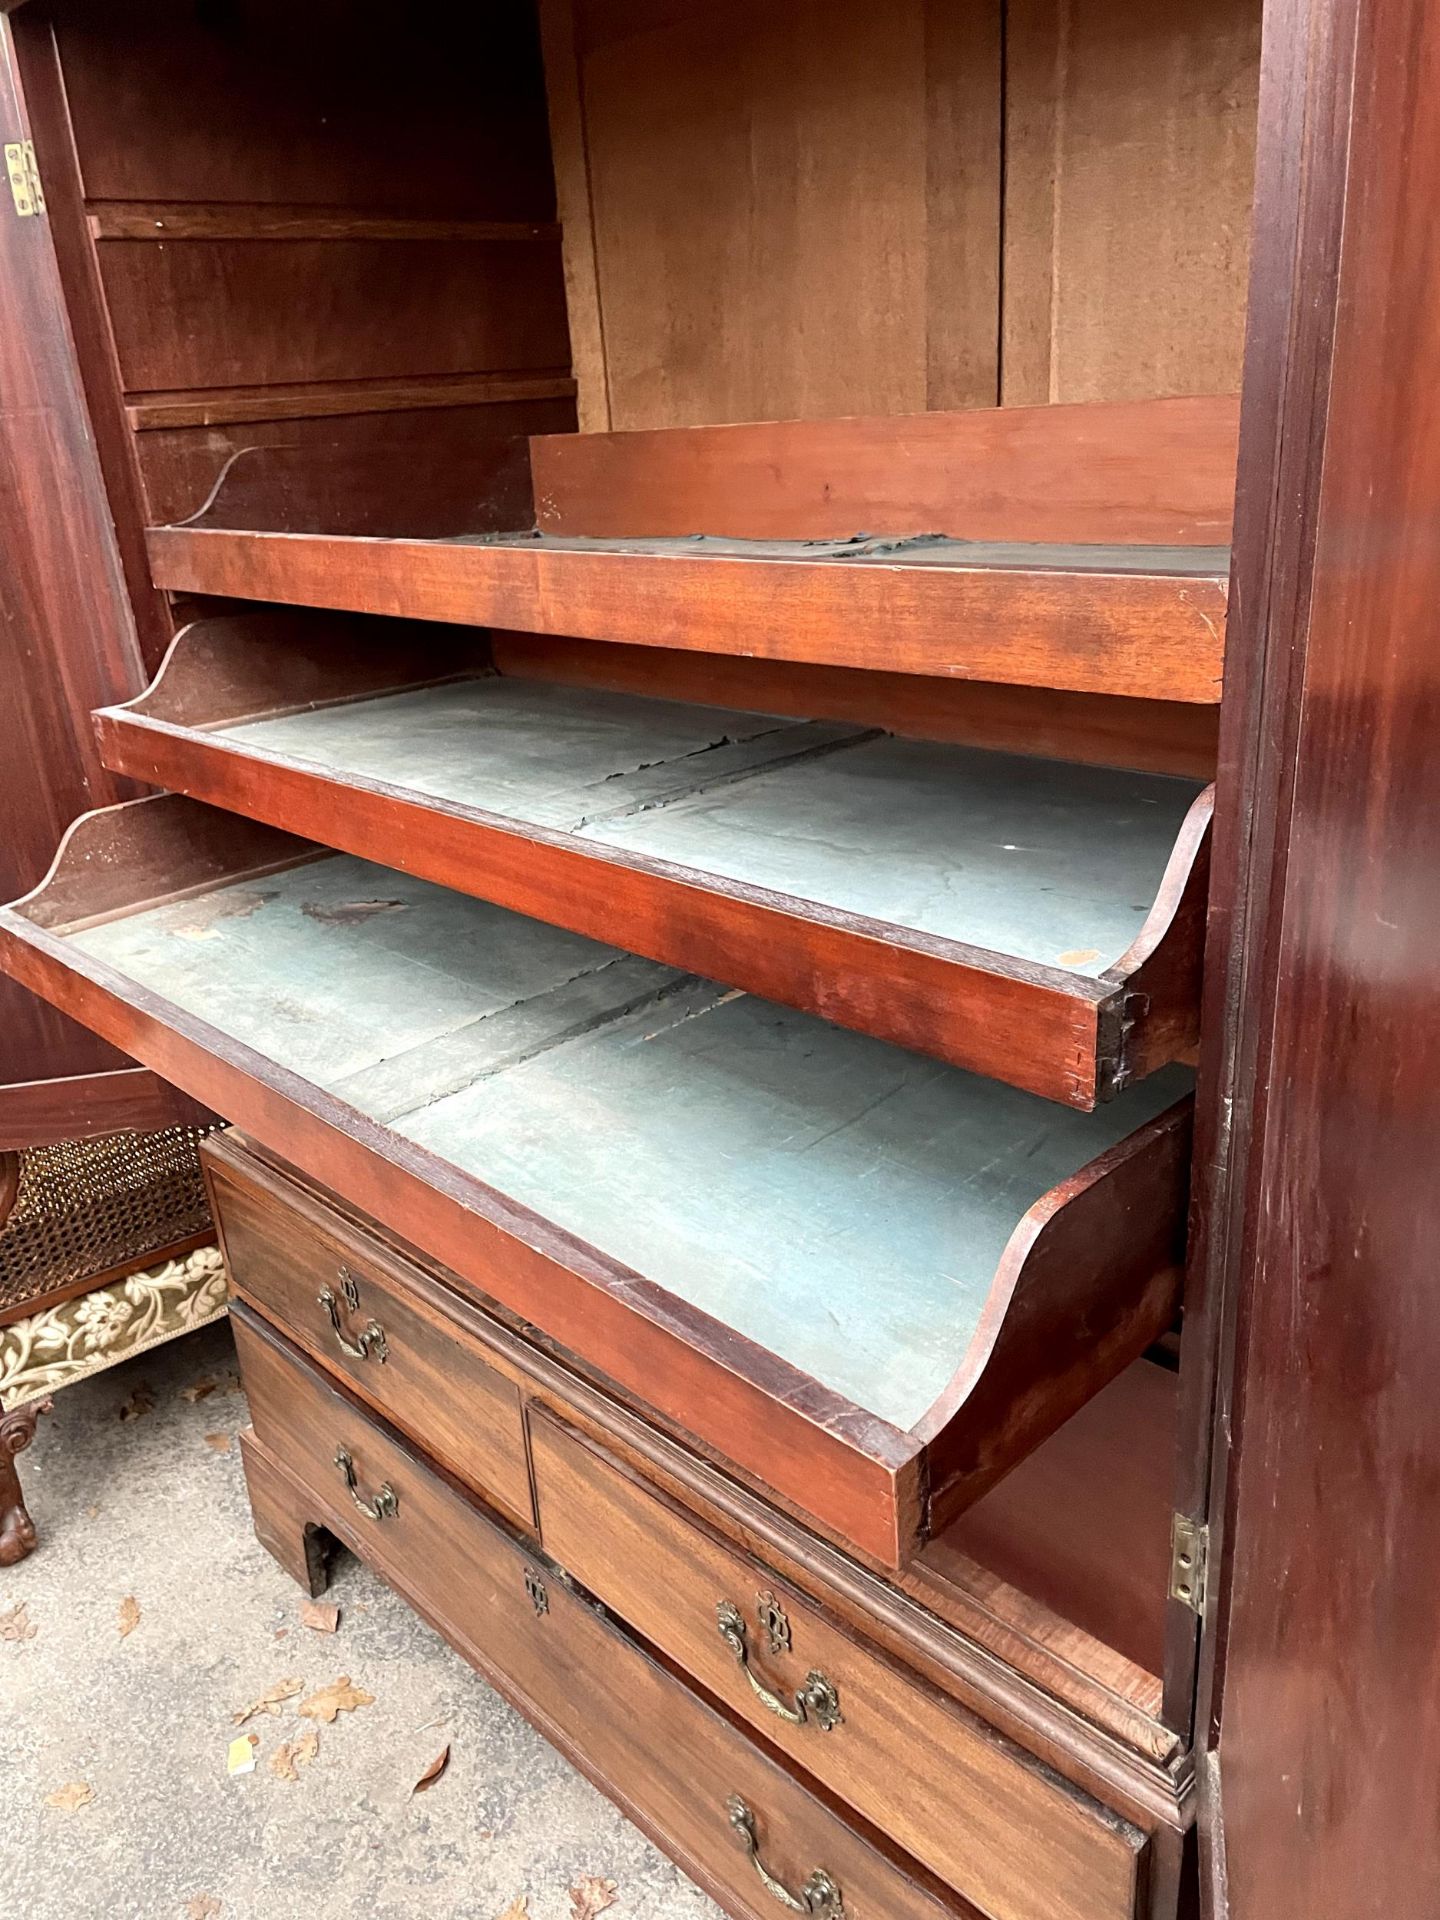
1016 1839
872 1283
349 1302
692 1779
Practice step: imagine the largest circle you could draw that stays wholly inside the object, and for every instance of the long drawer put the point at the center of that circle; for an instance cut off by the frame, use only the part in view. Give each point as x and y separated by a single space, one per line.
347 1301
735 1817
1017 1840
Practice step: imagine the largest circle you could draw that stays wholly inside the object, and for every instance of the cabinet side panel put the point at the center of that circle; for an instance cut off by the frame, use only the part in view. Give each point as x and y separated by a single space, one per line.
1329 1752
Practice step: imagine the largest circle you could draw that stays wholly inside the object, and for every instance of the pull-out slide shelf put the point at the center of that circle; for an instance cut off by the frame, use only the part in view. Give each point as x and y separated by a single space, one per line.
1032 920
1142 621
868 1280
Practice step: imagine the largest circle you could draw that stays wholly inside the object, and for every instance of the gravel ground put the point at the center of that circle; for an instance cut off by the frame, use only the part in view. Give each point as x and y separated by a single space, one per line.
148 1513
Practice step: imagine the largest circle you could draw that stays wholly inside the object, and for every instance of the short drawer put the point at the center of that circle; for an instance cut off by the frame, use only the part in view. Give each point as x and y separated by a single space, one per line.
992 1822
350 1303
696 1782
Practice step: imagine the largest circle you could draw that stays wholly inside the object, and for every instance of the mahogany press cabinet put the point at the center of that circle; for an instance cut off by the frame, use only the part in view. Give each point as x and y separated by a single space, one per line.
699 922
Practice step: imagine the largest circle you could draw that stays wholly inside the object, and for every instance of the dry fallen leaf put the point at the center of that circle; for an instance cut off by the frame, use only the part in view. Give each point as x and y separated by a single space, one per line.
16 1624
141 1402
518 1909
269 1701
319 1616
199 1390
219 1441
338 1697
591 1895
129 1615
293 1754
434 1771
92 1513
76 1793
203 1906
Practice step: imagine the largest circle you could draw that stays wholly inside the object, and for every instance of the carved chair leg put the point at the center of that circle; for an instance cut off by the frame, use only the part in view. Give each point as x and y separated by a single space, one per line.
17 1529
281 1523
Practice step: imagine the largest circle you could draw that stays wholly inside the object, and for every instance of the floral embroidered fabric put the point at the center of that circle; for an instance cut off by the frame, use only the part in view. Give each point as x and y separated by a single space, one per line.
79 1337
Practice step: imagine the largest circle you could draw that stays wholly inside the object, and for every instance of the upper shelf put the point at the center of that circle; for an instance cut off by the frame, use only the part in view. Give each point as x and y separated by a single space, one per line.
872 1282
1029 919
1080 548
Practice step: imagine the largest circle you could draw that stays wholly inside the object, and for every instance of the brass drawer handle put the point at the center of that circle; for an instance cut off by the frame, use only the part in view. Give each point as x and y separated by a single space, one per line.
819 1893
386 1503
372 1341
817 1703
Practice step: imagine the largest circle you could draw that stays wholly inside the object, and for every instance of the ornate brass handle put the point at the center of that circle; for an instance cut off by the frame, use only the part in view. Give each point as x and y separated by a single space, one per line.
372 1341
817 1703
386 1503
819 1893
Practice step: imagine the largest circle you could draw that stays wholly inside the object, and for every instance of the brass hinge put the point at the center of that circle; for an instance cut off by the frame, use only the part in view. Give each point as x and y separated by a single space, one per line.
1189 1561
25 188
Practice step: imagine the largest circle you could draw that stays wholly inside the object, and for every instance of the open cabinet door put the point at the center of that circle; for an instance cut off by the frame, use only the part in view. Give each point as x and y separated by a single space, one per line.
67 645
1318 1734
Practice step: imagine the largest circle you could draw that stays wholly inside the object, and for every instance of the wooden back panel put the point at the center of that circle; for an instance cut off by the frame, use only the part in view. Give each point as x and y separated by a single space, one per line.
784 210
828 207
1160 471
1129 171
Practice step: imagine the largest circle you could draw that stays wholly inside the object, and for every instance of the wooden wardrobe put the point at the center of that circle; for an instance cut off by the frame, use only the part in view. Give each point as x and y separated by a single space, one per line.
787 790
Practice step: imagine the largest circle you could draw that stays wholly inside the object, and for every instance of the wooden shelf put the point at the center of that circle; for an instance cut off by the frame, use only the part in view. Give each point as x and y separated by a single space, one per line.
1078 548
1141 621
1024 918
870 1281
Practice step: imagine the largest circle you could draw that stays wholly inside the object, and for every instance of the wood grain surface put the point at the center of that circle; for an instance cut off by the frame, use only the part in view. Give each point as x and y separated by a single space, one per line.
979 1814
428 1379
1324 1651
1129 472
1150 635
670 1758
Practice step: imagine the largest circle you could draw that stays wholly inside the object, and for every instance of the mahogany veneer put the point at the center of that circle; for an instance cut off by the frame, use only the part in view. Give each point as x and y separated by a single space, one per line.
1143 622
1118 472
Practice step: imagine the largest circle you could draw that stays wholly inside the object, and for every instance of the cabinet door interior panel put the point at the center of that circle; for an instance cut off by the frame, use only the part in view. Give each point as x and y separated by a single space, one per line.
882 1260
937 895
